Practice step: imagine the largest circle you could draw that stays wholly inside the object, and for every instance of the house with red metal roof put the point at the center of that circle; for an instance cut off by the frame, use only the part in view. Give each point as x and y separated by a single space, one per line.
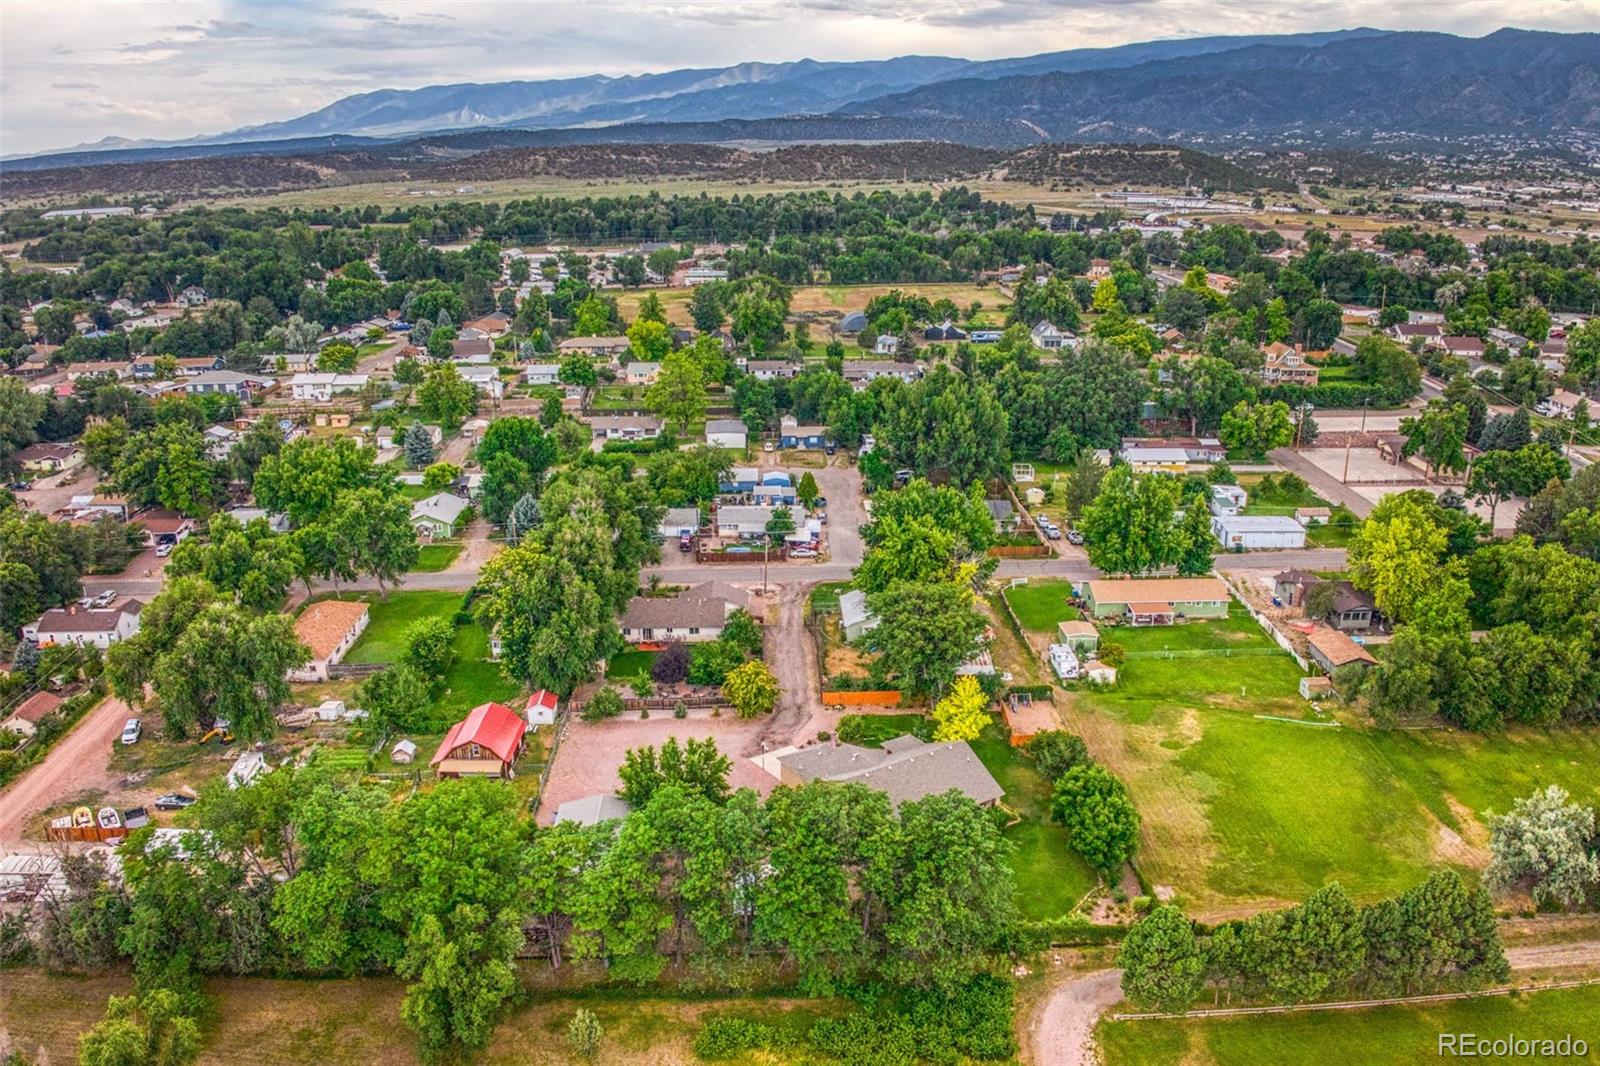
485 743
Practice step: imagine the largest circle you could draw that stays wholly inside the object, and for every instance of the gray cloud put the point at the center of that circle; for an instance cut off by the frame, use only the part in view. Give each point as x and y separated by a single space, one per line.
210 65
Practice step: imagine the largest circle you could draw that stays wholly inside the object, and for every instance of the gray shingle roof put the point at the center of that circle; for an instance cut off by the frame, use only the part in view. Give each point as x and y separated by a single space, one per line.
904 769
677 612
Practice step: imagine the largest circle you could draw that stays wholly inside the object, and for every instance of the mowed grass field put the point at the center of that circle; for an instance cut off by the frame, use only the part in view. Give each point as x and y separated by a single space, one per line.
356 1022
1376 1037
1249 801
1040 605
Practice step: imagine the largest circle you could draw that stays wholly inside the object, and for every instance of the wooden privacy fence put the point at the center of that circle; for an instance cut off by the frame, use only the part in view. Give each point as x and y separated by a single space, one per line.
885 697
1020 551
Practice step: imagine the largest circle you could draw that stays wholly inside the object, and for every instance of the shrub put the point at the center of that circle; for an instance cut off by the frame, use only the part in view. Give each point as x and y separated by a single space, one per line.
1292 484
680 710
584 1032
1113 654
727 1038
1056 751
607 703
672 665
710 662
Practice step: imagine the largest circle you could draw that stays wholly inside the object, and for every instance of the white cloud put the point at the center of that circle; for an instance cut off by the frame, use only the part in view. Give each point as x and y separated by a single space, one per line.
71 73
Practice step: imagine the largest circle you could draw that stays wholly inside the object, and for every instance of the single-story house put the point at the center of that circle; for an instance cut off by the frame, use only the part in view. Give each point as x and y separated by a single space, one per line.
689 618
493 324
770 369
625 427
1195 449
1238 532
1047 337
541 708
886 344
776 487
727 433
594 346
328 629
81 625
485 743
904 769
1002 513
542 374
436 516
592 810
163 526
1227 499
740 479
473 351
1148 460
116 368
750 523
278 523
1353 610
855 620
641 372
25 719
1465 347
324 387
1560 403
486 379
1331 649
793 434
193 365
862 372
1156 600
231 382
1313 516
49 458
679 522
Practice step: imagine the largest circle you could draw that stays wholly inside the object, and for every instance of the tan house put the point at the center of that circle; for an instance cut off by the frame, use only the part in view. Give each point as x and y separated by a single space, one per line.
30 712
485 743
49 458
328 628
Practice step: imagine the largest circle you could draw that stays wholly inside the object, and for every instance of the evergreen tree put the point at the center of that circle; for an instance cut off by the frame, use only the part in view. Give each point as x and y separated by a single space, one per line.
418 446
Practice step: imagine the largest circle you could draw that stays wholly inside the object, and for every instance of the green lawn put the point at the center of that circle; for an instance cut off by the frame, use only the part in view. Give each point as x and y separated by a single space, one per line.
414 492
1040 604
1051 879
877 728
432 558
1239 808
1375 1037
630 664
474 679
1275 501
382 641
825 597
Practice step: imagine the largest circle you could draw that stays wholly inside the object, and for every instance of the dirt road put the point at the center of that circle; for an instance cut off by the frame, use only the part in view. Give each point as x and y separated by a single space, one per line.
79 762
1552 956
793 659
1062 1033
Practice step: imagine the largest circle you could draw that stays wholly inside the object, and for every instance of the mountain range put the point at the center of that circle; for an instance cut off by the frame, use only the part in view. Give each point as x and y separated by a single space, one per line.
1345 86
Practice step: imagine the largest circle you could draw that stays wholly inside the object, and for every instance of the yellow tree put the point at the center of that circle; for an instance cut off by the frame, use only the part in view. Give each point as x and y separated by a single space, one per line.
963 713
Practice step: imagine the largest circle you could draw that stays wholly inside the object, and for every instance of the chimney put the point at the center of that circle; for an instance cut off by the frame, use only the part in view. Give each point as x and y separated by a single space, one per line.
1299 349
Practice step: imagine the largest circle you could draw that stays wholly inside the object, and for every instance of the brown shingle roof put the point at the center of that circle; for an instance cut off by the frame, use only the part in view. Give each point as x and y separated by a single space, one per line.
36 707
323 624
1337 648
661 612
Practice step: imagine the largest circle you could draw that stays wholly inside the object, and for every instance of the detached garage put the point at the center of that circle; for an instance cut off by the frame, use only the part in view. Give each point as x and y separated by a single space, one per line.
1254 532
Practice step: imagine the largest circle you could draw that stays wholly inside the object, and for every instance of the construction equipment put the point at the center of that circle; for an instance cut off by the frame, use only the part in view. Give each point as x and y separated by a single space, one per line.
219 729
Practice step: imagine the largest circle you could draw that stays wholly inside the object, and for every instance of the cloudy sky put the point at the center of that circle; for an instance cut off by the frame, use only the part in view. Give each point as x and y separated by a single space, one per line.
74 71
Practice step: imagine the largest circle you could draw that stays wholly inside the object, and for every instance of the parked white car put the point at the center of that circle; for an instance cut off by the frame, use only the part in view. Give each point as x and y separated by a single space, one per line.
131 731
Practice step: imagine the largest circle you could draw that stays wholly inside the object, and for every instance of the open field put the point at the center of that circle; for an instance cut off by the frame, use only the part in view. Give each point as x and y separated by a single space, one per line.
356 1022
1244 810
1376 1037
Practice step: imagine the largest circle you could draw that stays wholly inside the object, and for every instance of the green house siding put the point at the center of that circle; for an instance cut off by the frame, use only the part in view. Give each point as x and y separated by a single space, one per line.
1200 609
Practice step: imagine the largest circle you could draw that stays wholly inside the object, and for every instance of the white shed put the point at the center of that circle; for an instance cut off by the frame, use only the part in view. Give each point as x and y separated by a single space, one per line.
1254 532
403 751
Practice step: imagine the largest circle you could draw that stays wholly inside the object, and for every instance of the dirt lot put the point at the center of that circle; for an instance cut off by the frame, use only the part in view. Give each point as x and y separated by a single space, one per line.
79 763
590 753
49 494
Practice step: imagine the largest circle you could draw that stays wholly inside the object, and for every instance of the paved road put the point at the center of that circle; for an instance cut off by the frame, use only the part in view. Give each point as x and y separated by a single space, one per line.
674 570
79 762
